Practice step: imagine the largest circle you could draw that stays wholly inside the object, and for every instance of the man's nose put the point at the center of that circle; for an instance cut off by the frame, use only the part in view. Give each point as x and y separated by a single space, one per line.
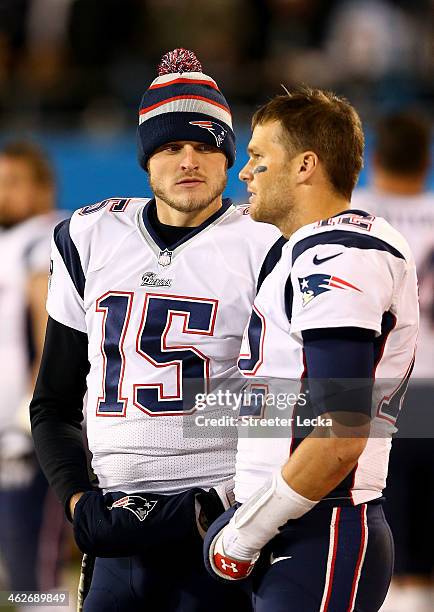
190 158
245 173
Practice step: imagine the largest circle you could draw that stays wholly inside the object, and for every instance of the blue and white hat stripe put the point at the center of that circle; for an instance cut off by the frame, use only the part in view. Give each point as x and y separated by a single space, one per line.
187 105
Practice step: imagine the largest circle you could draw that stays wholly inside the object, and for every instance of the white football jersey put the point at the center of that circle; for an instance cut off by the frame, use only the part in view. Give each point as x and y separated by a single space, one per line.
154 318
24 250
413 216
352 270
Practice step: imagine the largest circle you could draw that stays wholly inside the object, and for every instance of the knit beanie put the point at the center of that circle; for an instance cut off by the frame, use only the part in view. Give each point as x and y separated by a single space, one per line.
183 103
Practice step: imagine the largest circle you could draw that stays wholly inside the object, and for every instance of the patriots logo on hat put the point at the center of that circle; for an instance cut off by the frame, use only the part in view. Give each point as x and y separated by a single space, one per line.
216 129
138 505
315 284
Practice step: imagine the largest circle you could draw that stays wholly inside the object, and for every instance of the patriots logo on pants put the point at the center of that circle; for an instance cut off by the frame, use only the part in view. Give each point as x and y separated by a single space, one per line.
315 284
216 129
140 506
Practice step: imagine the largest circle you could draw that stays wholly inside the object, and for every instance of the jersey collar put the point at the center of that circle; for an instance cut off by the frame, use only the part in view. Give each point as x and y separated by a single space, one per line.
158 245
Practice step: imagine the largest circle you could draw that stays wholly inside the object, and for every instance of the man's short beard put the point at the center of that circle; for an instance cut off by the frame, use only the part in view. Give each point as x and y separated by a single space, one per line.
188 204
277 212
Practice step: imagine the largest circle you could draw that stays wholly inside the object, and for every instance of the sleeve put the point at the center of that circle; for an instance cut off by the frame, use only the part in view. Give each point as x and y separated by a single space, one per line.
56 410
335 285
65 301
339 369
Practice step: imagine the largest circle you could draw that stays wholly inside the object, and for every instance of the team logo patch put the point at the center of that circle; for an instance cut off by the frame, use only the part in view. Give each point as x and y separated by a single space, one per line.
315 284
140 506
165 257
150 279
214 128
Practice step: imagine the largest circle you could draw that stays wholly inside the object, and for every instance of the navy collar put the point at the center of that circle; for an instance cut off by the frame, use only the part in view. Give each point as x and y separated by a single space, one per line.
352 211
226 204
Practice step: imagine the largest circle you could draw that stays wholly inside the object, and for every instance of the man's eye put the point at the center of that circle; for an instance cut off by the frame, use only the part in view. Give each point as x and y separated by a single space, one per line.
172 148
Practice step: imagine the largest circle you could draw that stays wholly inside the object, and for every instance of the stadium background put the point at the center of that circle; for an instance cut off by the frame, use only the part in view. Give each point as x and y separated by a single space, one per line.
72 72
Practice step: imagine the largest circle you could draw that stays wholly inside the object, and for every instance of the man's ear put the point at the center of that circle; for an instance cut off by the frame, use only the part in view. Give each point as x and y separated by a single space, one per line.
307 163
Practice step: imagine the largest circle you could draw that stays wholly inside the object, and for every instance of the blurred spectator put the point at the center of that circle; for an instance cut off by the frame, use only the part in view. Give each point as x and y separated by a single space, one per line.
31 519
63 61
400 165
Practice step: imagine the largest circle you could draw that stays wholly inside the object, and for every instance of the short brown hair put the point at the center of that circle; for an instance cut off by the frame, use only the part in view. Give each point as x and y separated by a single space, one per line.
403 143
320 121
35 158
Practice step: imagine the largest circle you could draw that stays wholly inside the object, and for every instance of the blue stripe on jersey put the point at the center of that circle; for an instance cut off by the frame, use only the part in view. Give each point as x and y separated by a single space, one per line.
70 256
271 260
344 238
388 322
227 202
288 297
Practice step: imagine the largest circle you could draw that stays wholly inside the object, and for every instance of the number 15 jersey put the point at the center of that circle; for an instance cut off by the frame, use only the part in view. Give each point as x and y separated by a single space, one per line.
155 317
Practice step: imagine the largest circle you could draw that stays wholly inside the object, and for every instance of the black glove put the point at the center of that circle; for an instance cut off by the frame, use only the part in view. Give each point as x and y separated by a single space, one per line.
121 525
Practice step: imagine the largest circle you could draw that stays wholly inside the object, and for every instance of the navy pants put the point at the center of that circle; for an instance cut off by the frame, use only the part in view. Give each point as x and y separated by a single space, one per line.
180 584
334 559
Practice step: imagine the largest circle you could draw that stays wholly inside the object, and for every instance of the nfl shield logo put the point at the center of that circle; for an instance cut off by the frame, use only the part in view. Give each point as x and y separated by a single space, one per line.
165 257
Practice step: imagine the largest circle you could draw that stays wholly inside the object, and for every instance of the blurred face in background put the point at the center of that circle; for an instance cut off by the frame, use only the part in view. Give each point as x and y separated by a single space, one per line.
21 195
188 176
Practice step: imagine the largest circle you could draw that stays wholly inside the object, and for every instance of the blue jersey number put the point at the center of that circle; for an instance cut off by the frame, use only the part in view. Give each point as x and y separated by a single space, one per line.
160 312
249 363
390 405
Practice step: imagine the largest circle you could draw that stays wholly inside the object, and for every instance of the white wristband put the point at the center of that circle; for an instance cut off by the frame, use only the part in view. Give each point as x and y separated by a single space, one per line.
259 518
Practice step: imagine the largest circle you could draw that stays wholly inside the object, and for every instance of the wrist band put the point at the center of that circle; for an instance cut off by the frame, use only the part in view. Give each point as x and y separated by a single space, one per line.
259 518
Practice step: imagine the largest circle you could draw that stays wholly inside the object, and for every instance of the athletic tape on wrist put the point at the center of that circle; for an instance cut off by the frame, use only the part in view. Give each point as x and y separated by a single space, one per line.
259 518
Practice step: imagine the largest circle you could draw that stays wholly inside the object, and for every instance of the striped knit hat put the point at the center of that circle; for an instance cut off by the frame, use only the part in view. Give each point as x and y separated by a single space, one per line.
183 103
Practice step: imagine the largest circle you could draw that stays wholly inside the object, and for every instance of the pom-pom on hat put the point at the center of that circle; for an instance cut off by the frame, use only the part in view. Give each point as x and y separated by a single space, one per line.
183 103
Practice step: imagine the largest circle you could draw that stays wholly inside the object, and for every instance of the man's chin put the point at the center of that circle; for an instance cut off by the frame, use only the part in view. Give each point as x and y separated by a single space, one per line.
255 212
259 214
190 204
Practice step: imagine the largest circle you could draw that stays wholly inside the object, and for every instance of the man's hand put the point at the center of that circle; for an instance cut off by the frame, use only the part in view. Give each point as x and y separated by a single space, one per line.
224 563
211 504
120 525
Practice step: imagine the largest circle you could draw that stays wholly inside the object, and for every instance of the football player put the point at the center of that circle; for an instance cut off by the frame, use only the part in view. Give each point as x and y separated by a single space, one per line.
149 298
339 313
400 166
31 525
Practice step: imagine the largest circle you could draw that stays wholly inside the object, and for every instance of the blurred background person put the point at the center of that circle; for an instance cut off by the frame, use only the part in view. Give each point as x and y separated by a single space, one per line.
31 520
398 192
